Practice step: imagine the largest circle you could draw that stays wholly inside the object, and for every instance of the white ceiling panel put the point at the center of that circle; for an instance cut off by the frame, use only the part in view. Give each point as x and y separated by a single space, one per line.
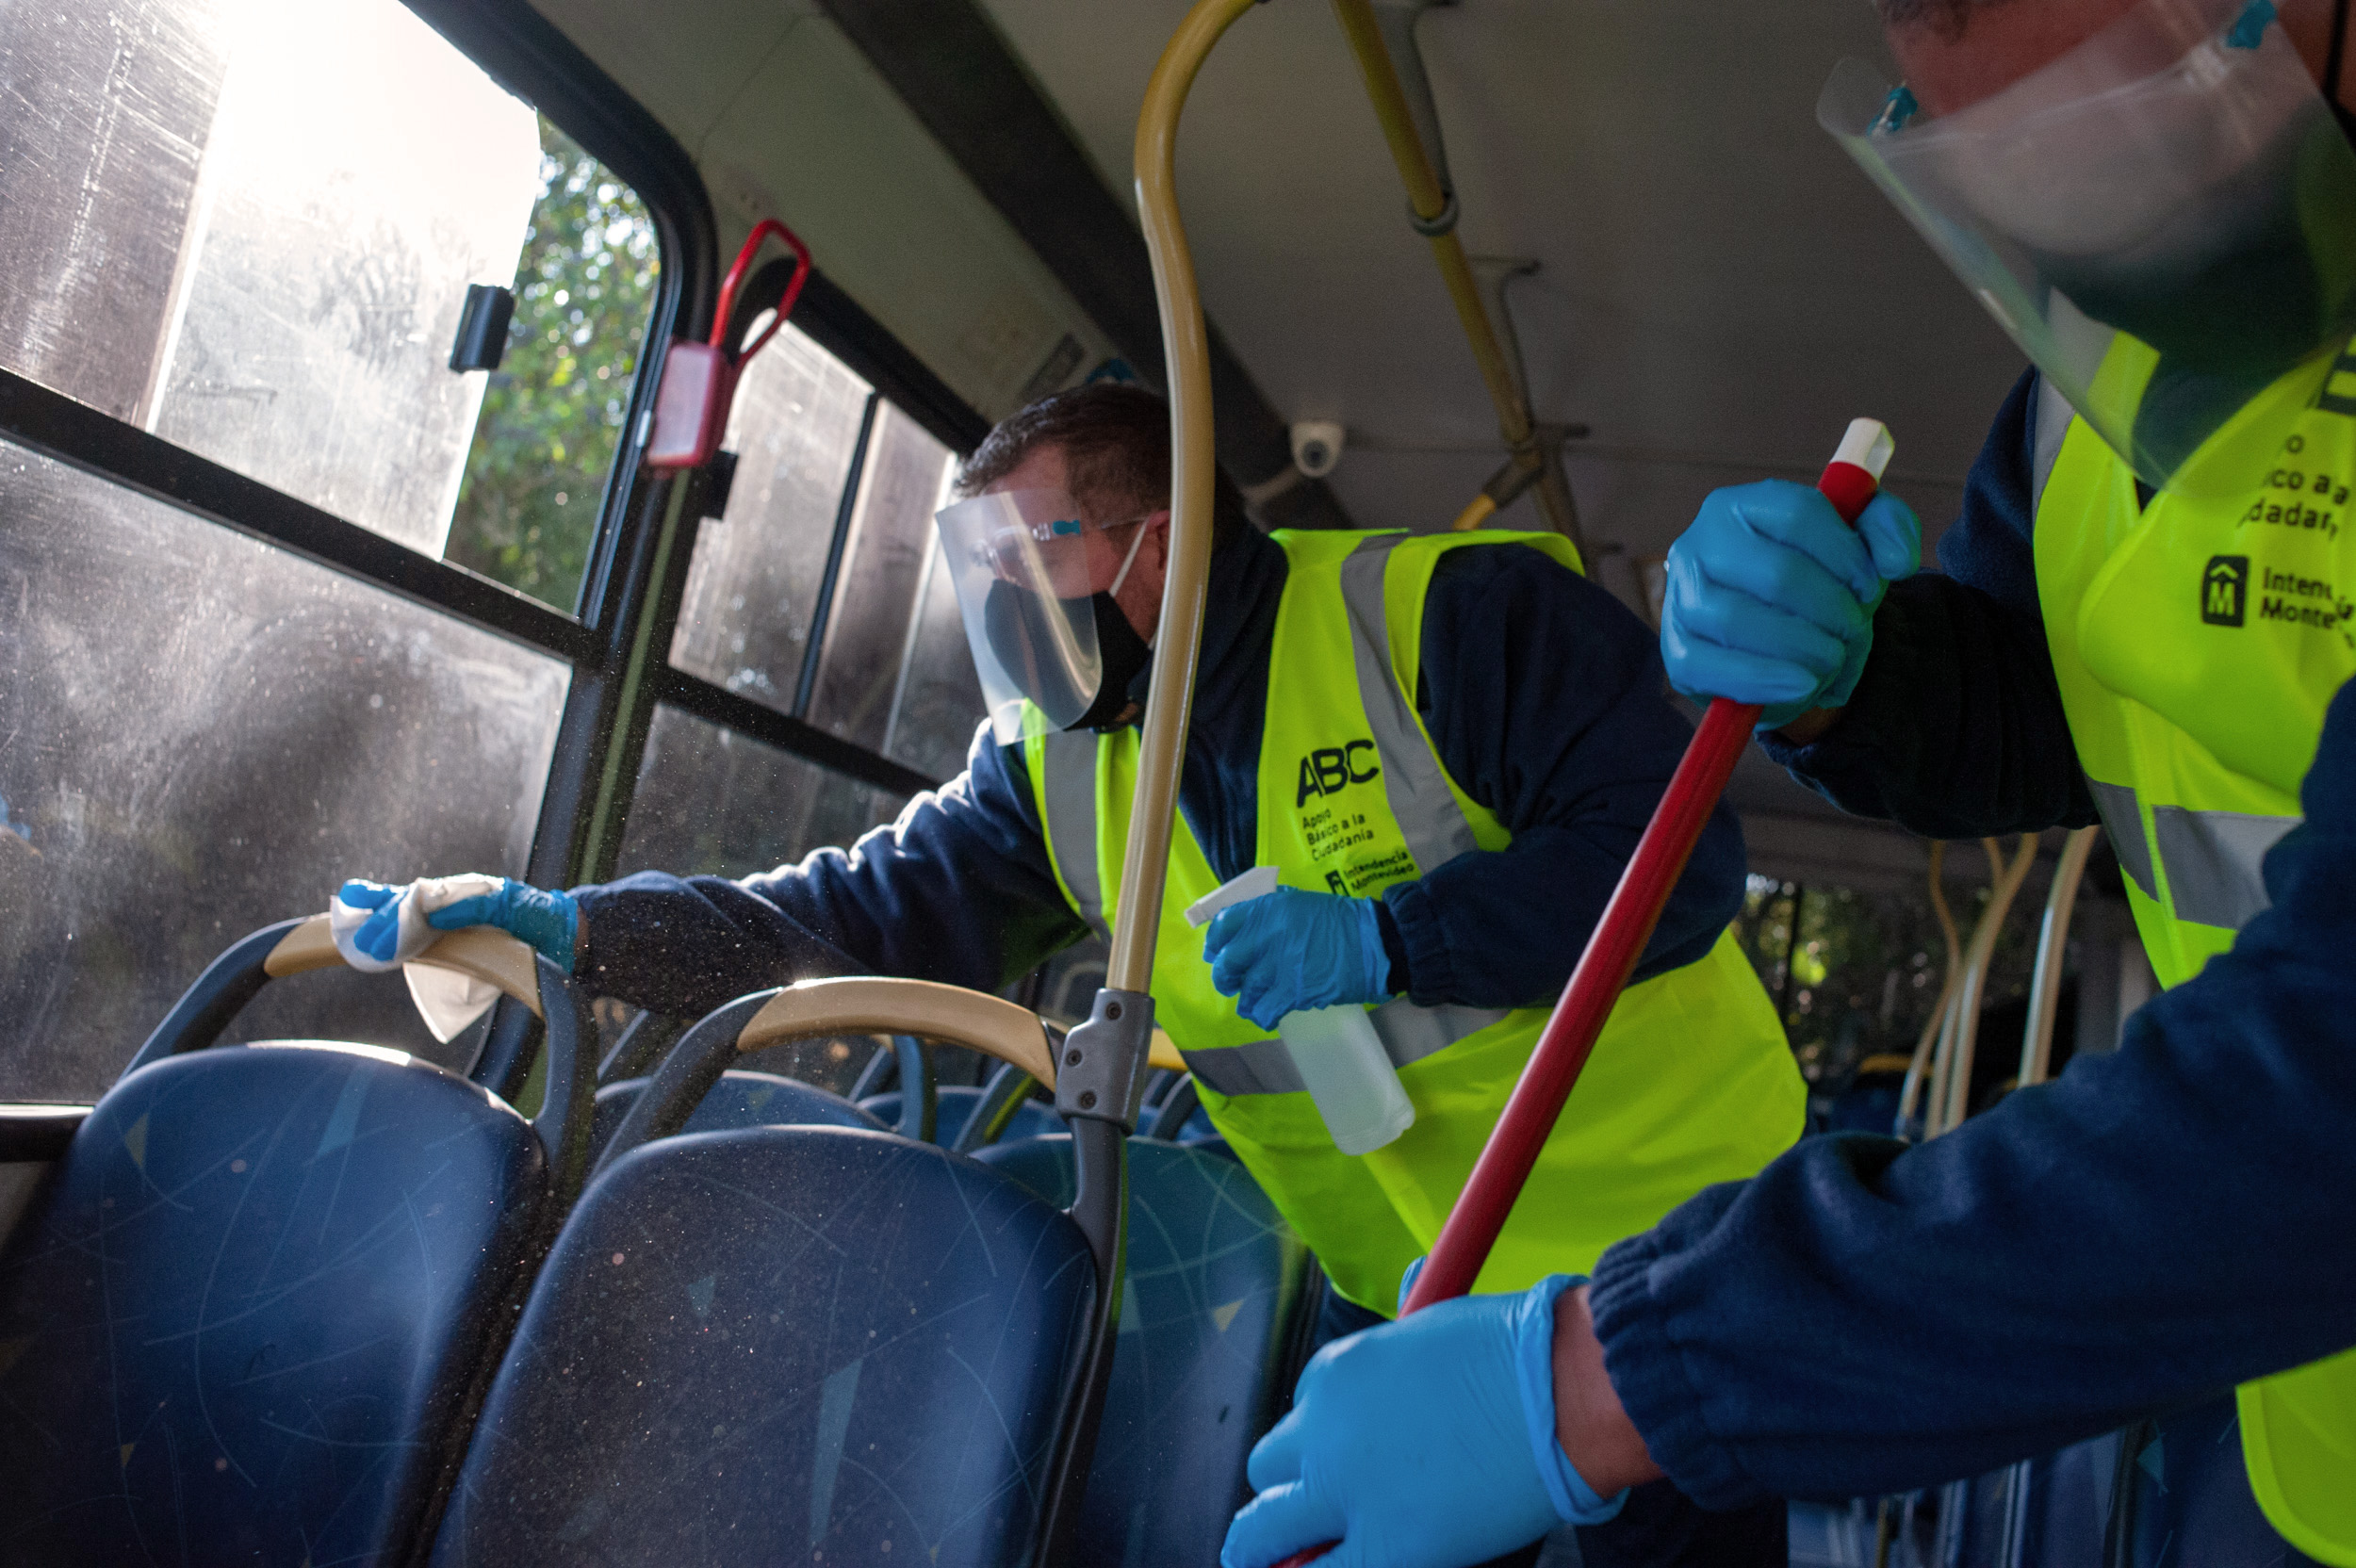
1719 290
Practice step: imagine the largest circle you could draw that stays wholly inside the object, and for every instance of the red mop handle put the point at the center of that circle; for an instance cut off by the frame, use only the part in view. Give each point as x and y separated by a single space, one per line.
1850 483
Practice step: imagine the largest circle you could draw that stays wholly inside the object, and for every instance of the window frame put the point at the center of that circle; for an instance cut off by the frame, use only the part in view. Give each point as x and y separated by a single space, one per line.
835 322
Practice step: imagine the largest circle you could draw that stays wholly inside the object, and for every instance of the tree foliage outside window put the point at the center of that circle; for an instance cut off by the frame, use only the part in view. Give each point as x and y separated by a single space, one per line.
554 412
1865 972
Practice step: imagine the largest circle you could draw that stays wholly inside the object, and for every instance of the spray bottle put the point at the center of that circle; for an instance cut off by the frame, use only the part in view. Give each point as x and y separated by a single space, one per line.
1339 1057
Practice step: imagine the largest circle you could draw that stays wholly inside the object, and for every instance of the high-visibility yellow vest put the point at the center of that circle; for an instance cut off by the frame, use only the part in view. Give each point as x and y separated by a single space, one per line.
2198 642
1692 1082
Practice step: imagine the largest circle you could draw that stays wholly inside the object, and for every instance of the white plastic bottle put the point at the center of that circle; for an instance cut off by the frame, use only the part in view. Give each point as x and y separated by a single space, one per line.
1339 1057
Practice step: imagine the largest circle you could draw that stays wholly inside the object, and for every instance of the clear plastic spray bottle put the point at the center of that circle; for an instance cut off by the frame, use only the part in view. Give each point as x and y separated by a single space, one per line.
1339 1057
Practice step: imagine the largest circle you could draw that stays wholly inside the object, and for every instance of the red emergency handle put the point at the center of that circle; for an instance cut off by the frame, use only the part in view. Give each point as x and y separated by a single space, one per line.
691 409
1850 482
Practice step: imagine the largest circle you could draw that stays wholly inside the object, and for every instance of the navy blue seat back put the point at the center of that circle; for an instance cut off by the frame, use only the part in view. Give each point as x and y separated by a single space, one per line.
2053 1509
243 1317
1210 1318
2188 1501
738 1100
957 1102
782 1344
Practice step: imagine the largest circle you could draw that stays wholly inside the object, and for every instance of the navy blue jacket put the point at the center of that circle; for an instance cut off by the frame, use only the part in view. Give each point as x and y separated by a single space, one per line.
1543 696
2152 1228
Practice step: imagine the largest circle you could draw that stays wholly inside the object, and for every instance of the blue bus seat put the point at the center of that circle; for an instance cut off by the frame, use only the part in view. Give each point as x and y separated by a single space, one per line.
739 1100
1208 1344
781 1344
247 1313
2188 1503
956 1102
242 1318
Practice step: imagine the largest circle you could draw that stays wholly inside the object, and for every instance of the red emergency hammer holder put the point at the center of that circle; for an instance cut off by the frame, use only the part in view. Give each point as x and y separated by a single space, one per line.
1850 482
691 409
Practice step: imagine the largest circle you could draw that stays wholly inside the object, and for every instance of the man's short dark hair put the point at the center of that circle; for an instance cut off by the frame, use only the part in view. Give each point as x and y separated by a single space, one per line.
1948 18
1115 446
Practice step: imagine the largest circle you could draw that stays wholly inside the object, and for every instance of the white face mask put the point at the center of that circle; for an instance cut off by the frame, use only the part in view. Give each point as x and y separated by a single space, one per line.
2175 183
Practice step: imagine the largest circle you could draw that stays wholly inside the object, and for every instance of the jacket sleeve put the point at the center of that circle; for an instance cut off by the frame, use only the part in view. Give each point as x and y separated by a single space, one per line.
1955 729
1546 701
2155 1226
958 889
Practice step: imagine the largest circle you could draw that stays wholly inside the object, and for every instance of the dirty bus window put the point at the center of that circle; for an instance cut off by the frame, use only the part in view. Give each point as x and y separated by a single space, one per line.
554 412
230 224
176 778
819 594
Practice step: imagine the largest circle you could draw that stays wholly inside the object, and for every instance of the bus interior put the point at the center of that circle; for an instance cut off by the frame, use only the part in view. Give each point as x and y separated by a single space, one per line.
344 533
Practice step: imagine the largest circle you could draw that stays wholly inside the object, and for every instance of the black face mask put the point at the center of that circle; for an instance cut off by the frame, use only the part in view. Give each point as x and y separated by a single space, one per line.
2254 292
1015 619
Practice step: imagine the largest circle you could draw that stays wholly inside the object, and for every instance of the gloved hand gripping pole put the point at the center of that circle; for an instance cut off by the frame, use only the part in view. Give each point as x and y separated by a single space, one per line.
1850 482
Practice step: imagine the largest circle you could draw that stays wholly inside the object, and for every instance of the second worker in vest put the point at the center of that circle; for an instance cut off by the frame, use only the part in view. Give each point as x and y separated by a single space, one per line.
1446 746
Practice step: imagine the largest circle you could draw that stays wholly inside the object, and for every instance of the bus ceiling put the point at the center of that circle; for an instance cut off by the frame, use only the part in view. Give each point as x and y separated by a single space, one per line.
1658 165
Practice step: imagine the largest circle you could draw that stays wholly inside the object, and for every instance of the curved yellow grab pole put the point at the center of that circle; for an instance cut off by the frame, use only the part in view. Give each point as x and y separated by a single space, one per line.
2053 942
1194 467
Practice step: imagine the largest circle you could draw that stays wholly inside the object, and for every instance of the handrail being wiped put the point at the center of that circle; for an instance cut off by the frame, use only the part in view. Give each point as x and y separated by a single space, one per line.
1435 220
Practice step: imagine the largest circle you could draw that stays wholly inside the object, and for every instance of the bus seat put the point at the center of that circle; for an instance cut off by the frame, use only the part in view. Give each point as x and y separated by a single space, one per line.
956 1102
1210 1323
2062 1504
244 1316
806 1343
739 1100
2187 1503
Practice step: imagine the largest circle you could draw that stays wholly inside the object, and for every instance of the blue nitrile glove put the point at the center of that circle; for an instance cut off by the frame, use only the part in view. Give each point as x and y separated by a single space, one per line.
545 920
1288 950
1771 596
1428 1443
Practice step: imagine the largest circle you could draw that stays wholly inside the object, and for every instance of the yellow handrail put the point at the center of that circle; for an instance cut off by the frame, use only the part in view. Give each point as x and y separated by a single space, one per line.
1430 203
2005 885
1918 1074
2053 942
1194 468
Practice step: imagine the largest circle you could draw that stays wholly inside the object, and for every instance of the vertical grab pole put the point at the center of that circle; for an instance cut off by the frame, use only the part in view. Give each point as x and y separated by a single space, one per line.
1194 469
2053 943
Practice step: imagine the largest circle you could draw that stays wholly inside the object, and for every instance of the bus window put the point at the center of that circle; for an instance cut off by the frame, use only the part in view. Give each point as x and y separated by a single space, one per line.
716 801
274 243
554 411
817 597
869 664
201 734
752 591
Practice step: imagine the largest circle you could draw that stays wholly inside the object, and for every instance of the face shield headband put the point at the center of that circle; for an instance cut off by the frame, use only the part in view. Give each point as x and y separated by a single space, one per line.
1027 570
2164 219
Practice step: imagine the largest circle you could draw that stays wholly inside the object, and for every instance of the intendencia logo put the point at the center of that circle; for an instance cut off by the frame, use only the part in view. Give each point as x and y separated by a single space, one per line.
2225 590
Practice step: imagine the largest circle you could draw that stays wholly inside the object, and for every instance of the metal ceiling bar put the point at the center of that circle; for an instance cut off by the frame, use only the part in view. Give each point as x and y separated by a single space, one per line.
1434 212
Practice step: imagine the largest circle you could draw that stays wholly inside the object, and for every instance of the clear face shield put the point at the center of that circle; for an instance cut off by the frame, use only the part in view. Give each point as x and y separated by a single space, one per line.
2164 219
1035 584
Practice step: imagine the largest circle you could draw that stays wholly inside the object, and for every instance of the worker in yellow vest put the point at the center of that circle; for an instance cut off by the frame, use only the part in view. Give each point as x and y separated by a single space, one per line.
2148 619
1444 747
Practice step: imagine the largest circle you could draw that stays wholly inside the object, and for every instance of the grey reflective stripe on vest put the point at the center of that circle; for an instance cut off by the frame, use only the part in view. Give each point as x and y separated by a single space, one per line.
2124 822
1069 790
1428 818
1408 1033
2212 859
2049 424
